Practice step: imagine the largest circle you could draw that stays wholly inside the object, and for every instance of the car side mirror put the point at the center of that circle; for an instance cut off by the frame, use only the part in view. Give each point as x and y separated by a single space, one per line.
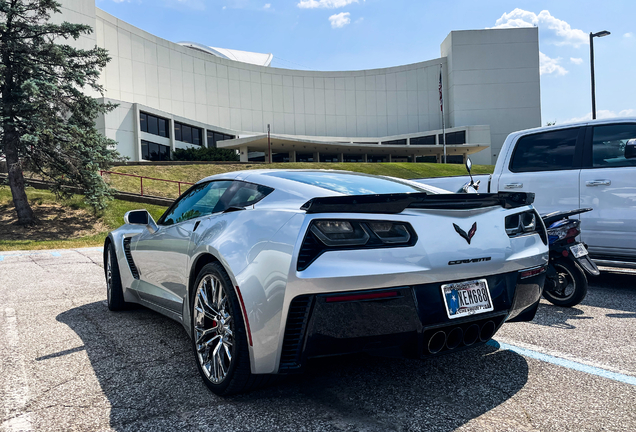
630 149
141 217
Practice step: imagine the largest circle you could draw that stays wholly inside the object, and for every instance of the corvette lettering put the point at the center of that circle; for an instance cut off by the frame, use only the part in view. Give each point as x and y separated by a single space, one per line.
469 261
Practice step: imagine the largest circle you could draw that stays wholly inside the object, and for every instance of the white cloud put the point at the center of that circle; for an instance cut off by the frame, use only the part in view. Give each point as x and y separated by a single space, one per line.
325 4
340 20
549 65
359 20
628 35
267 6
576 60
603 114
523 18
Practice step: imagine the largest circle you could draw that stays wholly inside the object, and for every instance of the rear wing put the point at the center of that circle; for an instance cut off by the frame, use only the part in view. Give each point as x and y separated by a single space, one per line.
396 203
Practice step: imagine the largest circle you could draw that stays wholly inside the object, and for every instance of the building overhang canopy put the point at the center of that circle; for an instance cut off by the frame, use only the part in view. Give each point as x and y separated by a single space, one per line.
289 143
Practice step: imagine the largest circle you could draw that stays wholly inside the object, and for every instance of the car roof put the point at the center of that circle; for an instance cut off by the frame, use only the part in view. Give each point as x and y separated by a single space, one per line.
576 124
293 183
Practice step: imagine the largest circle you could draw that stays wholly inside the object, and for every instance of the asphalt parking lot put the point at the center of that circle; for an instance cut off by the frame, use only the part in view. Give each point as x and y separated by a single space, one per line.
70 364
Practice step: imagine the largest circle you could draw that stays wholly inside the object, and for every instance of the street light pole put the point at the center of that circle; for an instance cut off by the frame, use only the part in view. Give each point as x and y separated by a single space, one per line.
592 36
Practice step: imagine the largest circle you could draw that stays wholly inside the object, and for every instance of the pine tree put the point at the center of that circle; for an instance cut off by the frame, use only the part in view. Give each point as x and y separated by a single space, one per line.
47 123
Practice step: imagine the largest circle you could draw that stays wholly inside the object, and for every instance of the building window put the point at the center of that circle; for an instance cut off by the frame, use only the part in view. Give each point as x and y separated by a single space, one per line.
395 142
453 138
328 157
188 134
304 157
215 137
424 140
154 125
154 152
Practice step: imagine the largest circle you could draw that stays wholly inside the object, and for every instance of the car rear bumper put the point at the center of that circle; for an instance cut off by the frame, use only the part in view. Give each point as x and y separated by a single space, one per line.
412 322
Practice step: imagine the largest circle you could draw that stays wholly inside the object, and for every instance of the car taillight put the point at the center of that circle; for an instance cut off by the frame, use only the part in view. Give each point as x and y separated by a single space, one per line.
527 222
337 234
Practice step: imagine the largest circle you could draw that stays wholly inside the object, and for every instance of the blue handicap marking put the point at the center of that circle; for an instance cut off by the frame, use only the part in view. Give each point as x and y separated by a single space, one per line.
56 254
1 258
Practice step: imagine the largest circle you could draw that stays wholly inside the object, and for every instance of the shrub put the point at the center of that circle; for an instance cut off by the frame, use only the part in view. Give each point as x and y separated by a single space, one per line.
204 154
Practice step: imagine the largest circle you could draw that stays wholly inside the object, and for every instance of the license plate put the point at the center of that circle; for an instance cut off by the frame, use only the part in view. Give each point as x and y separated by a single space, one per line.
467 298
578 250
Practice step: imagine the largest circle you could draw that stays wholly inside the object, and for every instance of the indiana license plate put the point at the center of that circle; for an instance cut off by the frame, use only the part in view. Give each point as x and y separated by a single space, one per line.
578 250
467 298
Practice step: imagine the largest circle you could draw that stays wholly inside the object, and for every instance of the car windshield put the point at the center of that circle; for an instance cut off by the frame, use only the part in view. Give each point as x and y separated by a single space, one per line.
349 183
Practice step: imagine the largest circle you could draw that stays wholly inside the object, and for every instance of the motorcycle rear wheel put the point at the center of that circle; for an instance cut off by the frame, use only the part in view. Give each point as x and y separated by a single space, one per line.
575 290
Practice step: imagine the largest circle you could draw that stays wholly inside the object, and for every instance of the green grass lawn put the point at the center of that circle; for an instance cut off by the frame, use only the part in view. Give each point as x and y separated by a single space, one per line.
108 219
194 173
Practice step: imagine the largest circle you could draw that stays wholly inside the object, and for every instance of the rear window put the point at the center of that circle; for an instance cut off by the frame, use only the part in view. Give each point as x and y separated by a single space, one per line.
547 151
349 183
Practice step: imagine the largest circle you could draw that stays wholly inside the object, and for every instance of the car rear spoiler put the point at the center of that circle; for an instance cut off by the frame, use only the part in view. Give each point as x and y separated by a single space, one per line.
396 203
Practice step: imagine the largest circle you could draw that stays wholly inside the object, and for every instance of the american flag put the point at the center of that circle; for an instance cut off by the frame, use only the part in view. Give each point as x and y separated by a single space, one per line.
441 98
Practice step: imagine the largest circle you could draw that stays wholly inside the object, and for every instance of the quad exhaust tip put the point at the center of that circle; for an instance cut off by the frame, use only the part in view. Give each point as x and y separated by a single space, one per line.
457 336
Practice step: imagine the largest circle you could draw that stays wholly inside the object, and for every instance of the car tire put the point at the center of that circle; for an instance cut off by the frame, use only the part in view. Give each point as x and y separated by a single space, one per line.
114 289
574 275
224 375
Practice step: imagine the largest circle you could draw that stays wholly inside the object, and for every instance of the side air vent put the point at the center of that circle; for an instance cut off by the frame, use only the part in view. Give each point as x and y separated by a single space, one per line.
295 329
131 263
309 251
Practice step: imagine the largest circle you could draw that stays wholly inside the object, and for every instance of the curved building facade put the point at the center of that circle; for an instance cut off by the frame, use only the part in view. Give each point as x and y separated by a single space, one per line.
217 97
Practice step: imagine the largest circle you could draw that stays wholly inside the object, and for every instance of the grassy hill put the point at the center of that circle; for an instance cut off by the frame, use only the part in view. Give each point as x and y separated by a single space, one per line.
63 223
194 173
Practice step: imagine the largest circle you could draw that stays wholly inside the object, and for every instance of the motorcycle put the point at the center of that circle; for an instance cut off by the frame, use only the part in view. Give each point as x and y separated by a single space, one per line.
566 282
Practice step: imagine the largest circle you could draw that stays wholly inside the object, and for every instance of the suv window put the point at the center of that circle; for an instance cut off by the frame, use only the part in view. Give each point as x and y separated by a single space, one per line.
608 145
547 151
200 200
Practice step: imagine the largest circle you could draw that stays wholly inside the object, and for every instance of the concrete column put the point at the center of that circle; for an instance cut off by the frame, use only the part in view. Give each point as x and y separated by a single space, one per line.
341 157
438 158
244 154
465 157
204 138
364 158
172 147
414 158
389 157
316 156
292 156
137 129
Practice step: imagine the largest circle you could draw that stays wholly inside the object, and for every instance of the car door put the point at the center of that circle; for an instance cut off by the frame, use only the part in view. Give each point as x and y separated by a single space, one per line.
162 257
608 185
548 164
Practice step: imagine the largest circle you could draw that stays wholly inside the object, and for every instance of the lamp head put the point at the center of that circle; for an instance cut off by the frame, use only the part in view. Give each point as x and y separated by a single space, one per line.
601 34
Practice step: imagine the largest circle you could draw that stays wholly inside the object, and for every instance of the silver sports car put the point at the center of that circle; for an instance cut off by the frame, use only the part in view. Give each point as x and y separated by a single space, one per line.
268 268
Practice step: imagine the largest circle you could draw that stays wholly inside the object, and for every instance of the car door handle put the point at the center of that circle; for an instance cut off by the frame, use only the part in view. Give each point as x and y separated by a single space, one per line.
598 183
514 186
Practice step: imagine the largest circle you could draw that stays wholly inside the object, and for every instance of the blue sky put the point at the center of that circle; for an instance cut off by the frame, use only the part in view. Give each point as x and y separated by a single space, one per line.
364 34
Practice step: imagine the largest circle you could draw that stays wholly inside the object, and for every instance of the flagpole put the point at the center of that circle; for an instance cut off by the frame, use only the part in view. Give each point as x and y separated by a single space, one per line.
441 103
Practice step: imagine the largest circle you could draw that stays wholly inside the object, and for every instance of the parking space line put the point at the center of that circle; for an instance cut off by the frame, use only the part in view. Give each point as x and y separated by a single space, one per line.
52 253
16 383
570 364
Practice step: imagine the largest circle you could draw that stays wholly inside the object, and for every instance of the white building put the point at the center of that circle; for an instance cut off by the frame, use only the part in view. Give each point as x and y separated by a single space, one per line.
177 95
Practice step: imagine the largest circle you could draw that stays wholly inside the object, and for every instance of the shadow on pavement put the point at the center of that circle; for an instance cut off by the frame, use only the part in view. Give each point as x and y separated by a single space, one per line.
146 369
549 315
